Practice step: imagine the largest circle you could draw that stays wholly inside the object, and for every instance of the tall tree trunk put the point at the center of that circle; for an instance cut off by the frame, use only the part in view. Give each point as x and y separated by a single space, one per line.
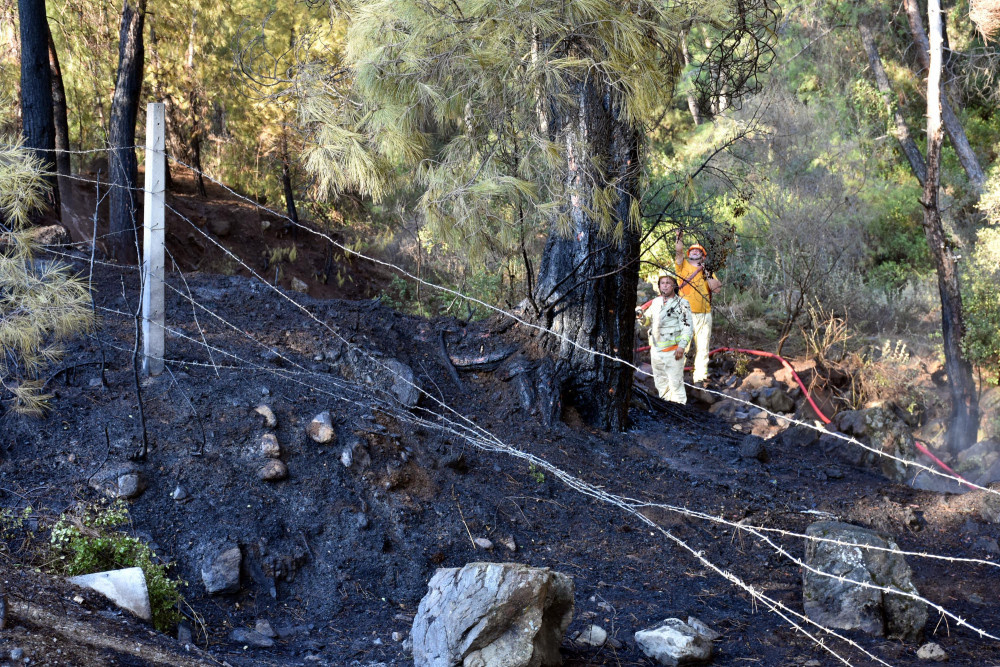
906 143
36 90
692 102
951 123
59 115
286 184
963 425
121 134
587 280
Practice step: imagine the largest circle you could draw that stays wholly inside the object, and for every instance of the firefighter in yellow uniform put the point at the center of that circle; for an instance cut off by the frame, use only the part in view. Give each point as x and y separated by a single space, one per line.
697 288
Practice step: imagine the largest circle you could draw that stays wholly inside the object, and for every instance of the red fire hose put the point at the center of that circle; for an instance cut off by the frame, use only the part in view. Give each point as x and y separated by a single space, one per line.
826 420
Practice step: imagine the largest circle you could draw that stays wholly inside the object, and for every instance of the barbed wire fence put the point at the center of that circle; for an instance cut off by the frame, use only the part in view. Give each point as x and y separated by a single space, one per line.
445 419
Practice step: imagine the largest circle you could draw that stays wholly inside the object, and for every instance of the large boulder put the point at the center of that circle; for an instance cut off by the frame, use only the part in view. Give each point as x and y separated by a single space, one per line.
888 434
675 642
492 614
836 602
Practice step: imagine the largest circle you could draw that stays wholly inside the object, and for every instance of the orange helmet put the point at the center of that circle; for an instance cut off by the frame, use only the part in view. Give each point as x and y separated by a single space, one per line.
697 246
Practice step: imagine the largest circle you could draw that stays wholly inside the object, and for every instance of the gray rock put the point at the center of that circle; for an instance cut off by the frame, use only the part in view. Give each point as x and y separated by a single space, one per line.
269 446
845 605
799 436
752 447
131 485
184 634
673 643
774 399
932 652
851 422
16 653
265 411
320 429
126 588
492 614
299 285
263 626
383 374
483 543
888 434
220 570
592 635
703 629
180 494
220 226
274 470
250 638
121 481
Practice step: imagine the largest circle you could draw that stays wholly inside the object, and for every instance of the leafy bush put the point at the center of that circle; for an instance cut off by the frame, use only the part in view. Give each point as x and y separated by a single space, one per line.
87 539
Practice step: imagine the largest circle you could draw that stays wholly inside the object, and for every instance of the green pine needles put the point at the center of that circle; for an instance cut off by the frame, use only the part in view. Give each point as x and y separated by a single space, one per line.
475 100
41 302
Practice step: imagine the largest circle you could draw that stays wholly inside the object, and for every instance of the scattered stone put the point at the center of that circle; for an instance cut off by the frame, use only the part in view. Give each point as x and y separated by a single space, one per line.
126 588
180 494
844 604
932 652
797 435
703 629
987 544
346 458
220 226
94 383
264 391
615 643
757 379
852 423
299 286
493 614
888 434
673 643
509 543
398 636
774 399
16 653
269 446
383 374
592 635
220 570
49 235
265 411
320 429
274 470
184 633
263 626
250 638
124 481
752 447
483 543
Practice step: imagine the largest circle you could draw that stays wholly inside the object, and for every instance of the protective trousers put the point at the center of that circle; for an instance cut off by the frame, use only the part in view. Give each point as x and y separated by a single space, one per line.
668 375
702 341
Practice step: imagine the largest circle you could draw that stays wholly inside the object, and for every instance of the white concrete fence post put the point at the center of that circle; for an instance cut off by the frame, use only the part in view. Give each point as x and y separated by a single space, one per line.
154 223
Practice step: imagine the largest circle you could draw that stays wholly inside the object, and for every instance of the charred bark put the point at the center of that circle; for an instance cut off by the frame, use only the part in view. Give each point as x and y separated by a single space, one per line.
963 425
586 280
36 90
59 116
122 161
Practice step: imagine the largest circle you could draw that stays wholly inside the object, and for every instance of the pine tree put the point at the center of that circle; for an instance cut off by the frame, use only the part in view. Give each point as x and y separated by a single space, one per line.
41 303
544 107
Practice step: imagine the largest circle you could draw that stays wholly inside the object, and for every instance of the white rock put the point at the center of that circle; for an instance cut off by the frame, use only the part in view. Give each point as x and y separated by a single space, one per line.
265 411
932 652
673 643
320 429
269 446
592 635
483 543
703 629
126 588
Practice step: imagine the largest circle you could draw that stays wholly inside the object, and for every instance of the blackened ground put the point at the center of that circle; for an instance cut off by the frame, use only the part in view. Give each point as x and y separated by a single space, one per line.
338 558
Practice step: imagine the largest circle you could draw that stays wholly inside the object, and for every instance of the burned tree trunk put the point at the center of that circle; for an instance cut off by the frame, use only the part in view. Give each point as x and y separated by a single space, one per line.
36 90
963 425
586 287
122 161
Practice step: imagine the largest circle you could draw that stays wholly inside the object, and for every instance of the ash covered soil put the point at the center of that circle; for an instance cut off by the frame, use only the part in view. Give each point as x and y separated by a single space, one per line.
337 557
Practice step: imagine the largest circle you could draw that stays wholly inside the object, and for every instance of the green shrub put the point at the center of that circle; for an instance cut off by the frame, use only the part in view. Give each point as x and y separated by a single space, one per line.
87 539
